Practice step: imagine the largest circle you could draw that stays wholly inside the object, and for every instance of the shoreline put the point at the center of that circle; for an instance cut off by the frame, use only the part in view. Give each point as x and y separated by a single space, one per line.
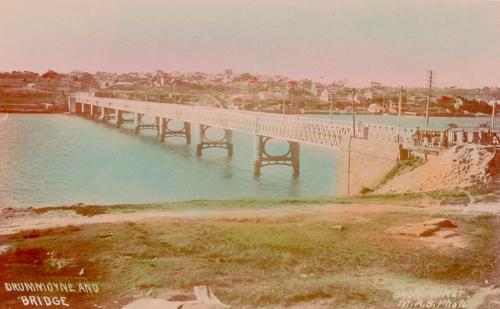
446 195
32 112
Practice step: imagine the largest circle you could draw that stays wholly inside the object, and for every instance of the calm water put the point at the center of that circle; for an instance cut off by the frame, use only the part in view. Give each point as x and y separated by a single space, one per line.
414 121
66 159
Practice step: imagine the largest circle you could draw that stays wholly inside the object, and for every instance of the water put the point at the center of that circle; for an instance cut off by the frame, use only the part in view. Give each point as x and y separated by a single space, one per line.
66 159
414 121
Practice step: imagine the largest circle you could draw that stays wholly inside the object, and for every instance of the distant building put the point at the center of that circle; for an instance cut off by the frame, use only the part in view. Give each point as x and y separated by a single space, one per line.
376 85
375 109
458 103
367 94
324 95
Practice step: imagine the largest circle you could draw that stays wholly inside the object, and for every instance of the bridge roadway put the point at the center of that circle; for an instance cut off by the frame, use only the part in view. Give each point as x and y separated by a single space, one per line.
265 126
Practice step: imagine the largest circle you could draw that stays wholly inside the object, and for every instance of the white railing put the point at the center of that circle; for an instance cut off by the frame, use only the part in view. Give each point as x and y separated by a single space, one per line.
320 132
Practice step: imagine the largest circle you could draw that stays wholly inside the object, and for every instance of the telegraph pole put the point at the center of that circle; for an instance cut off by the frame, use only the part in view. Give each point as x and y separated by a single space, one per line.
399 109
244 99
430 80
331 106
493 112
351 136
353 114
349 167
284 89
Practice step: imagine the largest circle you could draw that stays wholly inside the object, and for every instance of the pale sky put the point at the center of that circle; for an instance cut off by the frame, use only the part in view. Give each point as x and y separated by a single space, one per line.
394 42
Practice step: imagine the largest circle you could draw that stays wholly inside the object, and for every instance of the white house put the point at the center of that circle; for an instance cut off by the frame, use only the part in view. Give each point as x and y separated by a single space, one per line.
324 96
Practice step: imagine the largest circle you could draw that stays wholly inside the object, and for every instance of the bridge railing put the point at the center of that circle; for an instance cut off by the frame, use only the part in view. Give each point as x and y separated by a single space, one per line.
293 128
389 133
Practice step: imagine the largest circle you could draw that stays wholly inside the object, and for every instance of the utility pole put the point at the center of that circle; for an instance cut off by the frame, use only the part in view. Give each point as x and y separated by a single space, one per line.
353 114
351 136
399 109
331 106
349 167
430 80
493 112
284 89
244 99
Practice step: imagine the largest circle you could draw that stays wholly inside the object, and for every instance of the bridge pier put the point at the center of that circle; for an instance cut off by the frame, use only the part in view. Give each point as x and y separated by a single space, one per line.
262 158
77 107
81 111
137 119
90 111
165 131
71 105
120 120
95 112
104 115
86 110
89 108
140 125
225 142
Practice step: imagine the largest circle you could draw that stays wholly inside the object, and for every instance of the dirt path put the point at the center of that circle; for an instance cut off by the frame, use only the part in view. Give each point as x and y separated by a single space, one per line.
14 221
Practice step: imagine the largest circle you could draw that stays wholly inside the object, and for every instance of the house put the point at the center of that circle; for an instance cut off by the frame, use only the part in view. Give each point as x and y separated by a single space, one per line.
458 103
375 109
376 85
324 95
367 94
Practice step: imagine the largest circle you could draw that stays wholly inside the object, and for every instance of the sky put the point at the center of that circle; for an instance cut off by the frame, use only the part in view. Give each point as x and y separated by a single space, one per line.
393 42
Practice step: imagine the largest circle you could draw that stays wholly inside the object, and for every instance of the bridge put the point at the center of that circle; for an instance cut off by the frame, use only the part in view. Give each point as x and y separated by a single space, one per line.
295 130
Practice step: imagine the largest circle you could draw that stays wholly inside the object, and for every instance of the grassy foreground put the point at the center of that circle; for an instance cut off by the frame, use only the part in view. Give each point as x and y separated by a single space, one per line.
298 260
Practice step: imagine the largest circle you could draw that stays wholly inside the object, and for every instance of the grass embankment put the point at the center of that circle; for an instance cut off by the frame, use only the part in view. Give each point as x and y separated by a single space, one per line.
401 167
252 262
